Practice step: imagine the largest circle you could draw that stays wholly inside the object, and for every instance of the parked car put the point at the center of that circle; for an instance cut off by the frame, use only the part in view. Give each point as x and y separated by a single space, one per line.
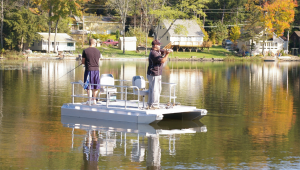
110 42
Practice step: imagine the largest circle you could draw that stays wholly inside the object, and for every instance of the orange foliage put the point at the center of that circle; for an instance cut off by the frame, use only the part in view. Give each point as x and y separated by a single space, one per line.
279 14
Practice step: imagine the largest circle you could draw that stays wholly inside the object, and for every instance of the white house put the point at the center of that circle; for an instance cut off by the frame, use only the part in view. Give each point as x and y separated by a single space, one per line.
130 43
192 38
273 45
64 42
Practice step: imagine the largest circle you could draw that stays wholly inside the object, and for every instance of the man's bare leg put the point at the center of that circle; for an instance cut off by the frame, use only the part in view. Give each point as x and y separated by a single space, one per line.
95 92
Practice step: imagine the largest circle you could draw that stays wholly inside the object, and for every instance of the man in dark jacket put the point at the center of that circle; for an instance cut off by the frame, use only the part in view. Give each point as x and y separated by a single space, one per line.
156 59
90 58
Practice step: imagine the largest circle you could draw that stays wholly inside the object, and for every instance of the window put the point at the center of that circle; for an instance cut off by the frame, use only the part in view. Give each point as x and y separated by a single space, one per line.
52 43
70 44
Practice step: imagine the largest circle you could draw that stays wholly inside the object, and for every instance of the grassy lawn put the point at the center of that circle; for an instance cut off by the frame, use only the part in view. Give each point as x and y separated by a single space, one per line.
214 52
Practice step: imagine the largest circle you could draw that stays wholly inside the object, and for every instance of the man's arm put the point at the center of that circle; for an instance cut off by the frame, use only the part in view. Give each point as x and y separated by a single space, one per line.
83 61
167 52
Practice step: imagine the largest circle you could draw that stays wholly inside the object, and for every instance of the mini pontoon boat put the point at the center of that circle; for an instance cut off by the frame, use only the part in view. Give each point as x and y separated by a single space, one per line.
135 111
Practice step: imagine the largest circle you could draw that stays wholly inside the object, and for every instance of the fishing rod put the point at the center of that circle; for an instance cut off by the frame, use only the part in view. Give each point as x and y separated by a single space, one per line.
68 72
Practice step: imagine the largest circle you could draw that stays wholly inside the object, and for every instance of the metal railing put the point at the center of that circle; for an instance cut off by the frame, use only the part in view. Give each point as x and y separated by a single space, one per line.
107 87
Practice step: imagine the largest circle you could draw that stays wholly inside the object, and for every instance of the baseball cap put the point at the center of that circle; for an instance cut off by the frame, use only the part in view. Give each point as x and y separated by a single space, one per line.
155 42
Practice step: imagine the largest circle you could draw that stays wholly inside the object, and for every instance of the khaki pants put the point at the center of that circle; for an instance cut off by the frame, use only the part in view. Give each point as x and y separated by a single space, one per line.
154 90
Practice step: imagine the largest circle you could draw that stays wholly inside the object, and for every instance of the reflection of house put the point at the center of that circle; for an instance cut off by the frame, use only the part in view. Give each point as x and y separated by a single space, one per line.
64 42
272 45
295 46
191 39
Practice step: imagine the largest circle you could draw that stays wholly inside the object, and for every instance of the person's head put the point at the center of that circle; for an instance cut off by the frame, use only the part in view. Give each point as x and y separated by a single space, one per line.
92 42
156 44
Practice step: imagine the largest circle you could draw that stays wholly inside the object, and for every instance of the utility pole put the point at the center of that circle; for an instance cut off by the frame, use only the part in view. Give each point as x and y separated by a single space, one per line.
1 24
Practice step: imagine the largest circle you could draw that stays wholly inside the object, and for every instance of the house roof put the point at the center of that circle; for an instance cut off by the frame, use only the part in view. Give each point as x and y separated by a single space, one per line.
297 33
60 37
79 32
284 38
96 19
191 25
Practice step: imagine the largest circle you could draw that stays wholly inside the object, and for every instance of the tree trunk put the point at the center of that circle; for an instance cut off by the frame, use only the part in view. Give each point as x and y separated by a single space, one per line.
223 13
2 24
263 47
134 15
55 48
204 20
82 30
50 23
156 32
123 37
146 24
20 44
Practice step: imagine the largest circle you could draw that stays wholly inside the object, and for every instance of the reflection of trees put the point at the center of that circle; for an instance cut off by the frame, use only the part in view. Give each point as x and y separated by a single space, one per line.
274 118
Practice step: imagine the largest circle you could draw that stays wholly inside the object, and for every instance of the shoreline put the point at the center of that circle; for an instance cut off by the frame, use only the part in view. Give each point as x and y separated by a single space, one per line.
143 58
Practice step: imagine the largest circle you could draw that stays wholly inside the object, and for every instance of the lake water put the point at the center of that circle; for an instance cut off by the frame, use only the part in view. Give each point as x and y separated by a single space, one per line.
253 119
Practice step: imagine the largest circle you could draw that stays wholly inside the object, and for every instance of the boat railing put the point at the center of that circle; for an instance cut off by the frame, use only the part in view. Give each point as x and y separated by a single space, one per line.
107 87
172 88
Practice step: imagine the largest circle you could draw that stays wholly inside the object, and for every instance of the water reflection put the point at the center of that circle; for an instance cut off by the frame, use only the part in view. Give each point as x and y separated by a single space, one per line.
104 137
253 119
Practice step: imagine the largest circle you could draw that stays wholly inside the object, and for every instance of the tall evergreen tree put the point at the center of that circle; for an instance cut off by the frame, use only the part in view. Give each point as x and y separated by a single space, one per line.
21 27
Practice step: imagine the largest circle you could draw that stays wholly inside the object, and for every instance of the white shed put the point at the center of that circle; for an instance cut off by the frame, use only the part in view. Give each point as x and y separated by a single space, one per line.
64 42
130 43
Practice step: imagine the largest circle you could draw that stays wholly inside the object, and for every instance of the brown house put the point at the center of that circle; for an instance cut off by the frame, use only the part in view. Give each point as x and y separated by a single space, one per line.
295 42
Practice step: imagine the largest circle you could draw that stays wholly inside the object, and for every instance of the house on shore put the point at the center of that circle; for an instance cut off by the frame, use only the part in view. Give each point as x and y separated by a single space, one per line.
295 43
64 42
273 45
191 39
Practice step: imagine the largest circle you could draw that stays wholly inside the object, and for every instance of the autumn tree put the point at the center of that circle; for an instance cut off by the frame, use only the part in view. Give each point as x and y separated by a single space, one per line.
235 33
206 37
58 9
278 15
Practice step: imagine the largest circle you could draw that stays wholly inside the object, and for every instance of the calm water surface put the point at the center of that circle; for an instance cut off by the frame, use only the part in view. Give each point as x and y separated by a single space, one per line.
253 120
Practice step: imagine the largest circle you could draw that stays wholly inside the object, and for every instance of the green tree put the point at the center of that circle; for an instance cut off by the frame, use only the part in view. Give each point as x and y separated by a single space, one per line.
21 27
253 29
221 31
122 7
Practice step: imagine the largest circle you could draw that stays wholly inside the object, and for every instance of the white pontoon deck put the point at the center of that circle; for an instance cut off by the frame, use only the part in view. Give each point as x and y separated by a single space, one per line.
125 110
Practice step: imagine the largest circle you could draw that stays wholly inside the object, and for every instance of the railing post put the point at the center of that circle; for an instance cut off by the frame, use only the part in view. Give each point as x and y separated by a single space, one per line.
125 97
72 93
90 101
107 96
139 98
174 93
170 100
